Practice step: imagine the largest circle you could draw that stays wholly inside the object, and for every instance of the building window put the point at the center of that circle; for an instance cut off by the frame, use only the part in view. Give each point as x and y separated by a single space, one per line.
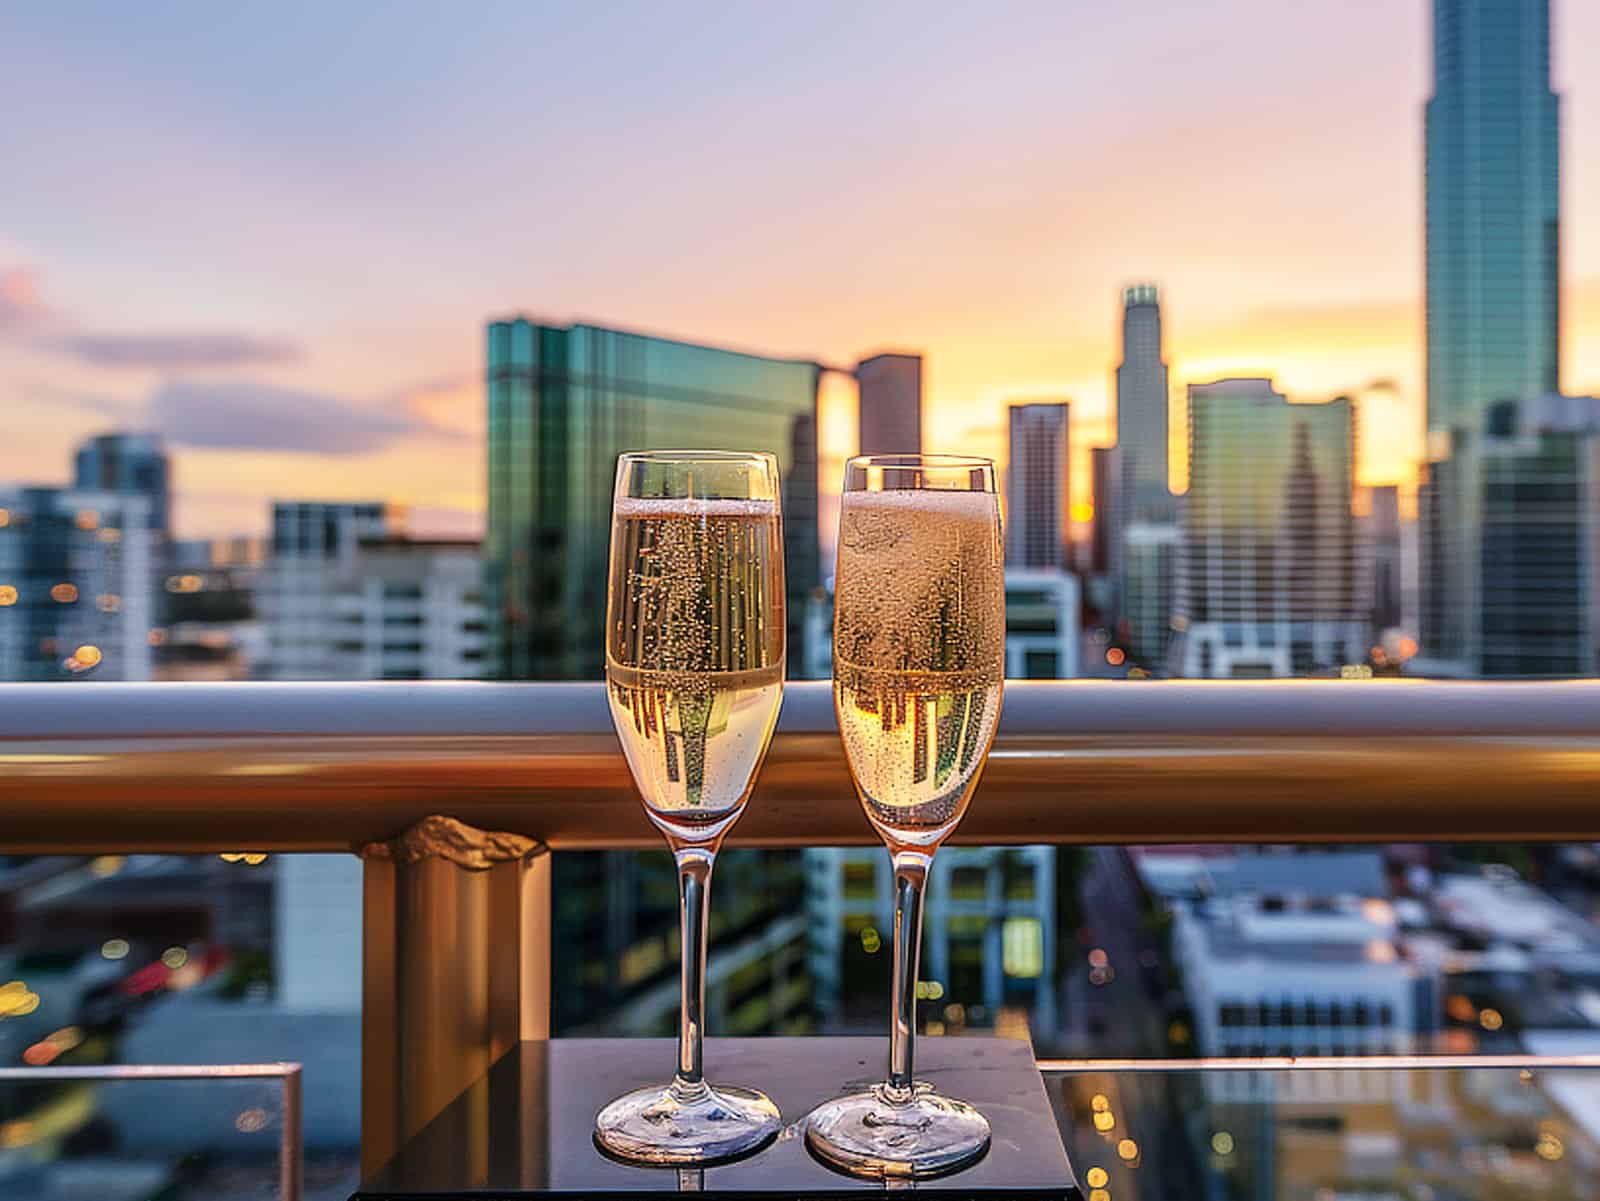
969 884
1022 947
860 879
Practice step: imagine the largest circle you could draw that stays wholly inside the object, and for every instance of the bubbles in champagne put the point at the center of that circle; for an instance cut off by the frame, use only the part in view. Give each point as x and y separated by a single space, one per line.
694 654
919 653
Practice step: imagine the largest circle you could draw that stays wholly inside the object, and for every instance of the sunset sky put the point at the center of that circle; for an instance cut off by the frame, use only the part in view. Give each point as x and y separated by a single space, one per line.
274 231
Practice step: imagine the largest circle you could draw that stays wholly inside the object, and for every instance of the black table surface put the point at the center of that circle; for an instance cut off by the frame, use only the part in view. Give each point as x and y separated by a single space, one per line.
525 1129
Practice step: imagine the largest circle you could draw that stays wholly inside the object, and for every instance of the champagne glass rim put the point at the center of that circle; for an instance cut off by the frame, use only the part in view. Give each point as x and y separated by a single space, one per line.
918 460
696 456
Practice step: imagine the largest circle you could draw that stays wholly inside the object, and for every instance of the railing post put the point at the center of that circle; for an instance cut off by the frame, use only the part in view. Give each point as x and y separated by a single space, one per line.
455 969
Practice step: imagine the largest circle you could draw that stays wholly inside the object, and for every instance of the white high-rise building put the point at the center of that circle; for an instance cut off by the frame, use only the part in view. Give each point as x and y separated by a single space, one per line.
1037 492
1270 580
346 596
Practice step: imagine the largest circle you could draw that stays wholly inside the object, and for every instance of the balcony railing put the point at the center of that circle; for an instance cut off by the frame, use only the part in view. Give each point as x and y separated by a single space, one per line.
452 794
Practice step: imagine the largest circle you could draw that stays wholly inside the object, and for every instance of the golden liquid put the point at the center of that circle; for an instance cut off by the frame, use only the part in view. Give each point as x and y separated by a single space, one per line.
694 653
918 654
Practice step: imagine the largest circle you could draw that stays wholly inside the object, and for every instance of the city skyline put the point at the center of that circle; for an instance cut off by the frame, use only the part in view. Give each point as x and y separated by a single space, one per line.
294 286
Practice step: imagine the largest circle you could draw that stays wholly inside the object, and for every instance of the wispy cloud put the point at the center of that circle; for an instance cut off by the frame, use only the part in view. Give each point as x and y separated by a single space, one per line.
249 415
29 320
184 351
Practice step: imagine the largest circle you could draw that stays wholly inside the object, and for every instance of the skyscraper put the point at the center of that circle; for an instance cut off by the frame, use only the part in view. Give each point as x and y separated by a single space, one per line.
1493 210
890 414
564 401
1538 494
1149 578
1105 480
77 583
1382 544
1269 576
1036 485
1493 284
1142 411
128 463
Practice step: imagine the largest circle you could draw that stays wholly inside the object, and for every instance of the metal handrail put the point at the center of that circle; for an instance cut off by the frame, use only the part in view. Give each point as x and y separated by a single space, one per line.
452 791
318 767
291 1137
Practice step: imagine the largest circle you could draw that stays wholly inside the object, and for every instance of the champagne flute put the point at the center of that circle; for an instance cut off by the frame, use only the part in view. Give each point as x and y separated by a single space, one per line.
694 672
918 669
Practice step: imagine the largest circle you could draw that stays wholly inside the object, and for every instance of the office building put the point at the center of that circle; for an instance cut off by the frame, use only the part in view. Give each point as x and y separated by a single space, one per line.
1381 542
210 629
77 583
1493 197
1532 481
1493 282
1142 410
348 596
1269 575
1149 581
1294 954
128 464
988 937
1037 492
1105 481
1043 626
989 944
564 401
890 413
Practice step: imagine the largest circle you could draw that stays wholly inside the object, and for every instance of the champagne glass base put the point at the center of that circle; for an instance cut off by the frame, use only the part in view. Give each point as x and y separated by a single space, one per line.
869 1134
681 1124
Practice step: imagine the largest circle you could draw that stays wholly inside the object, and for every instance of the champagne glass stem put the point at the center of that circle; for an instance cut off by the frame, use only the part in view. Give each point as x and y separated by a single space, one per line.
694 907
910 881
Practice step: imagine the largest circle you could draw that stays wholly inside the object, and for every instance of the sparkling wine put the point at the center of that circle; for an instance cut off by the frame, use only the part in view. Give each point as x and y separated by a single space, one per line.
695 653
919 653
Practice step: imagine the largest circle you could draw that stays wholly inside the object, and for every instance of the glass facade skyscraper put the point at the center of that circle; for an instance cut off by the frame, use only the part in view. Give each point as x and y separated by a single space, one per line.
1493 209
77 584
1493 286
564 401
1269 574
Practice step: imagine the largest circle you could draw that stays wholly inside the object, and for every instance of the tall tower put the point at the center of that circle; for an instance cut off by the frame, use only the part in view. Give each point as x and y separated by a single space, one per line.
1493 210
890 414
1036 486
1493 285
1142 410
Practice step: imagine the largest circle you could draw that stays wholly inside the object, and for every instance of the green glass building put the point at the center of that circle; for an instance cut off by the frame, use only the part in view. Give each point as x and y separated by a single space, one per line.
1269 578
1493 189
564 402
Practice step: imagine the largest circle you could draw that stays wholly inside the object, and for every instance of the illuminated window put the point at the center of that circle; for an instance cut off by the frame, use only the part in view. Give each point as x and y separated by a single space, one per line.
8 595
1022 947
64 594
